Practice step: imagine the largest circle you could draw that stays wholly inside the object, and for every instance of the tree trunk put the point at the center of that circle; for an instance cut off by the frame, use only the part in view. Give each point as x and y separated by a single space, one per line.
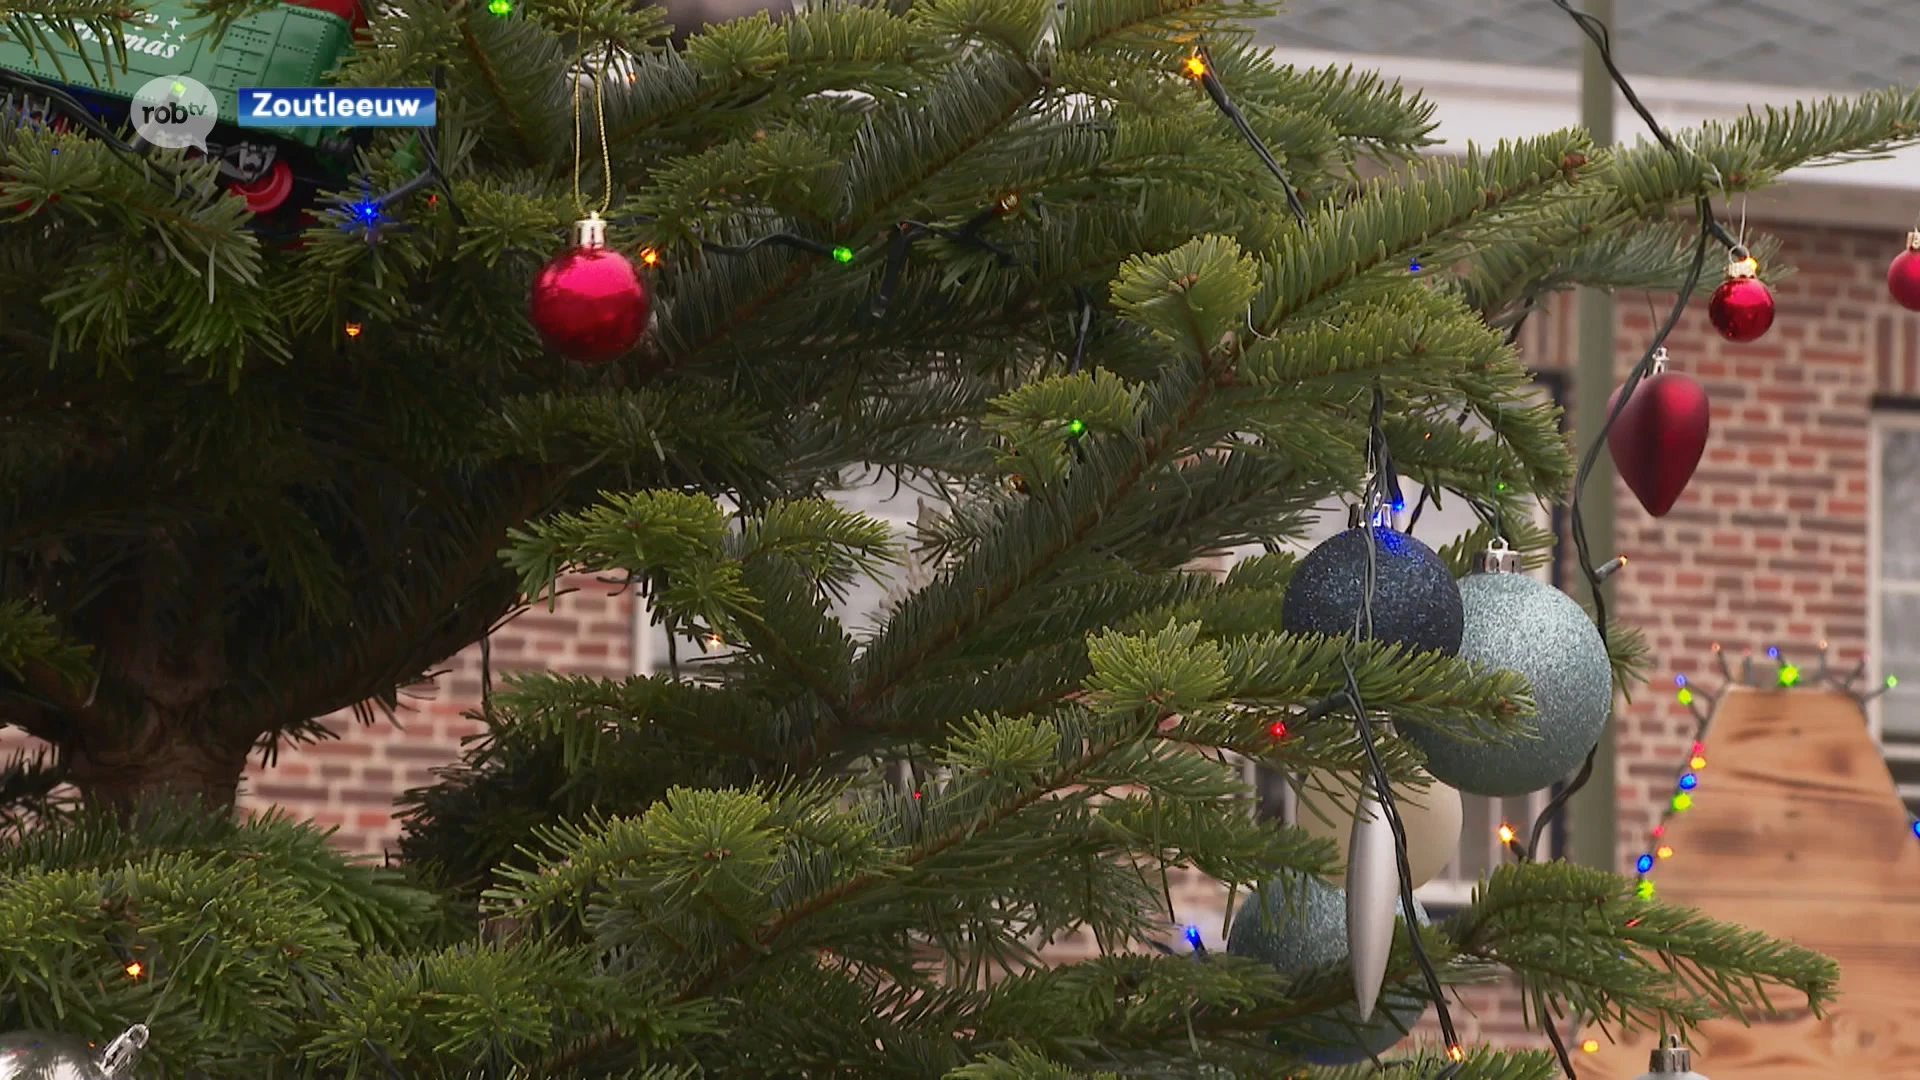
161 755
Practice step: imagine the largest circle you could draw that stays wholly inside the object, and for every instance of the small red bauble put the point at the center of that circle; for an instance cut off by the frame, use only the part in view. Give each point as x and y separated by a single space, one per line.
589 303
1657 440
1903 277
1742 307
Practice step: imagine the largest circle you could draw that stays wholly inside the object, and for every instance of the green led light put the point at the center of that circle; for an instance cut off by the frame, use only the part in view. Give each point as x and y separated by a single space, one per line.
843 254
1076 428
1685 695
1892 682
1682 801
500 7
1644 890
1501 486
1789 674
179 88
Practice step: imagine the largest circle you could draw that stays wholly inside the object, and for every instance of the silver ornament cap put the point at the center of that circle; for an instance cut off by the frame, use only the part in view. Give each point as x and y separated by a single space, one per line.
1499 558
1672 1060
590 232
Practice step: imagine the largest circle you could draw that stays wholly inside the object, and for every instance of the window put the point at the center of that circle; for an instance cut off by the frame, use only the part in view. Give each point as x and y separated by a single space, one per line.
1894 572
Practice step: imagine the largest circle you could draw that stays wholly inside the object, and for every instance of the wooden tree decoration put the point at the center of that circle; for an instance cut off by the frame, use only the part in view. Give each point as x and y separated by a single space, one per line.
1787 821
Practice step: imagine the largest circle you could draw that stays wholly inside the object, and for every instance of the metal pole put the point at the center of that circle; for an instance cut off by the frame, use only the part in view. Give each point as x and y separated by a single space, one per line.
1591 818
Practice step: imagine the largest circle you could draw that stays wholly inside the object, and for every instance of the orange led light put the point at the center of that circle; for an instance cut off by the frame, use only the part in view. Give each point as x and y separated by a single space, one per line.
1456 1053
715 641
1664 852
1196 67
1591 1046
134 970
1696 763
650 256
353 329
1506 834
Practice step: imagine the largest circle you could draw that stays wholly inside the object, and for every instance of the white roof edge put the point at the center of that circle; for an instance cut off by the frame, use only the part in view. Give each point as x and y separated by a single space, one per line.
1484 103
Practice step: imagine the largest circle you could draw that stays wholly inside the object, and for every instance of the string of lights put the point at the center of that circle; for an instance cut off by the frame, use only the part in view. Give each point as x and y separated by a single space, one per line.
1702 705
1382 495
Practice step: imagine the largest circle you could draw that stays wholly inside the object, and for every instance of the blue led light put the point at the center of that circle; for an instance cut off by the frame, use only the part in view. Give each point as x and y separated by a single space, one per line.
1644 864
1679 680
1193 936
364 213
1773 652
1413 268
1399 505
1689 782
1916 826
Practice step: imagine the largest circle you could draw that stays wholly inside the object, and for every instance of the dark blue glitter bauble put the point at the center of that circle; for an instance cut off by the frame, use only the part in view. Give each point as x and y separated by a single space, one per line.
1301 928
1415 600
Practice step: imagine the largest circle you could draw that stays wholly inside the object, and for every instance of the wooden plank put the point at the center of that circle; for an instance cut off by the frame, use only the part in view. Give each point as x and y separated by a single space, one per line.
1796 830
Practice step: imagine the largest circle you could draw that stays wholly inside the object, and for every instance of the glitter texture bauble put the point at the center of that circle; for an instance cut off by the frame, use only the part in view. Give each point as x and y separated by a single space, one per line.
44 1055
1742 307
1432 817
589 303
1524 625
1903 276
1657 440
1415 600
1299 926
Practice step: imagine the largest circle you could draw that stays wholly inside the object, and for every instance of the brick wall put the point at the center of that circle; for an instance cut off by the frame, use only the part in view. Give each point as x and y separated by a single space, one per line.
1769 545
350 783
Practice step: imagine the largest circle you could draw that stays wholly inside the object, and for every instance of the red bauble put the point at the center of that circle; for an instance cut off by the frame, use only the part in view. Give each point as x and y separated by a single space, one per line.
1657 440
1742 307
1903 277
589 303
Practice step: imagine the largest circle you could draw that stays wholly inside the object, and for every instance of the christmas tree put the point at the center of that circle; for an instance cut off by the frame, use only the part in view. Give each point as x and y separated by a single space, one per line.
1108 285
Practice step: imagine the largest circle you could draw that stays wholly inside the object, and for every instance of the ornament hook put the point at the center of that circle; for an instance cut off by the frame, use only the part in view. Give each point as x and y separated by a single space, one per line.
1659 361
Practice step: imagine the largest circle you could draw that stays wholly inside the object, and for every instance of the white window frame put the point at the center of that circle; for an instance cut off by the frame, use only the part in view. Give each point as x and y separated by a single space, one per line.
1882 422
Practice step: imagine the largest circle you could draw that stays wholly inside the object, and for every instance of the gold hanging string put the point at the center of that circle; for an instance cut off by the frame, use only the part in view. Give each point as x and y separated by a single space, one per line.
606 160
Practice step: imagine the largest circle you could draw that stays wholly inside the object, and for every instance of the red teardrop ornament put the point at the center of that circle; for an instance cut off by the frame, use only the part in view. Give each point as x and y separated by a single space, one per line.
1657 440
1903 277
1741 308
589 303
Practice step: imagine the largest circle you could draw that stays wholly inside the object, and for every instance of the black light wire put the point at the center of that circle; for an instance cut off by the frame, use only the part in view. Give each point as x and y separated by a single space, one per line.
1210 82
1596 31
1382 488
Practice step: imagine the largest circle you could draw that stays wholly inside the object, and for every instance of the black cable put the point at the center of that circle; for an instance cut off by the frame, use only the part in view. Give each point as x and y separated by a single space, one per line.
1596 31
1379 482
1210 82
1553 1036
899 246
1083 328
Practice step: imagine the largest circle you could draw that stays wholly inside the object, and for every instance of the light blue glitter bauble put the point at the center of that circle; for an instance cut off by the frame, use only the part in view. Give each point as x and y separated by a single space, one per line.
1521 624
1301 928
45 1055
